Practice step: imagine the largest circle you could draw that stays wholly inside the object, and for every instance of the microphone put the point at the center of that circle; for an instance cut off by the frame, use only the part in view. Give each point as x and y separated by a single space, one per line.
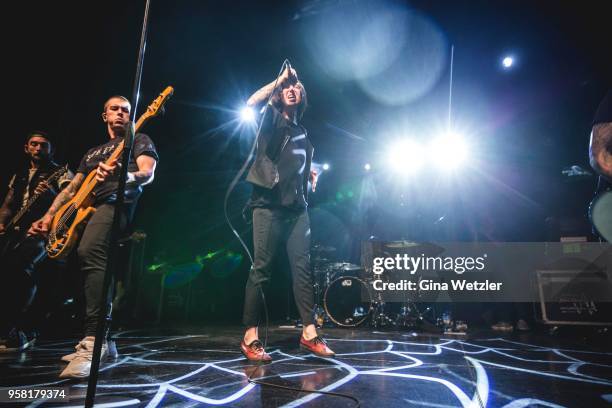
292 77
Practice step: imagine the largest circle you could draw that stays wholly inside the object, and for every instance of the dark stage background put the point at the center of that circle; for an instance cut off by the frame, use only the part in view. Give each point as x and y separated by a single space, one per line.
61 60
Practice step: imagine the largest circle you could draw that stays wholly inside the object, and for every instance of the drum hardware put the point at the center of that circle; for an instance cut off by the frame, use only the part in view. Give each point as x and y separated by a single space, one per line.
319 249
346 300
345 266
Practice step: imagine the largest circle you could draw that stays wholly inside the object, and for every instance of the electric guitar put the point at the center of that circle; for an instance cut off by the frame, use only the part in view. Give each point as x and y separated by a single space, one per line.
14 229
71 218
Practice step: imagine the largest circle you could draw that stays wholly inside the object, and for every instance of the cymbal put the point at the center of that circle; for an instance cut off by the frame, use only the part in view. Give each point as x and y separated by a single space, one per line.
320 259
345 266
402 244
424 247
322 248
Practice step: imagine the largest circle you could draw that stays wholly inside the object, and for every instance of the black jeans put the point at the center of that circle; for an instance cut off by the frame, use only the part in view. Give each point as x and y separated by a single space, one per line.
93 254
20 283
273 227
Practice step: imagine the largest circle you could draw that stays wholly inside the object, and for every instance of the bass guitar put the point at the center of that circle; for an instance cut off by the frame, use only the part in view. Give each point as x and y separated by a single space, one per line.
71 218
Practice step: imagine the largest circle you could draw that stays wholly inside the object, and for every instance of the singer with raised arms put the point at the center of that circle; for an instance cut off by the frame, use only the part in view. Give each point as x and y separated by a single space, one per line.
280 175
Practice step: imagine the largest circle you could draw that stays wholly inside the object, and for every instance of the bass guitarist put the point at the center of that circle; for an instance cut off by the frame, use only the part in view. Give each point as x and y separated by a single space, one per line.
93 247
30 192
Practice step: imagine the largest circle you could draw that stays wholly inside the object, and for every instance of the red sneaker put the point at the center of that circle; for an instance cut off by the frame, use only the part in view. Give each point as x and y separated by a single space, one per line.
255 352
317 345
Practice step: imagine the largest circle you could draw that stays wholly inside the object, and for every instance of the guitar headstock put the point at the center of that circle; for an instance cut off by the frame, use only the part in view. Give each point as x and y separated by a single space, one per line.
157 105
59 172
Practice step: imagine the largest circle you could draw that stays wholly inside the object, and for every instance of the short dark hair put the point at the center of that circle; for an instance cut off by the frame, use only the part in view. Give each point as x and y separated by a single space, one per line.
116 97
39 133
45 135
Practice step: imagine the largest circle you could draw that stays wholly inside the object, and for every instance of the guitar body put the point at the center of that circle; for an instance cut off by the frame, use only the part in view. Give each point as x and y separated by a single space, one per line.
61 246
12 237
8 241
600 213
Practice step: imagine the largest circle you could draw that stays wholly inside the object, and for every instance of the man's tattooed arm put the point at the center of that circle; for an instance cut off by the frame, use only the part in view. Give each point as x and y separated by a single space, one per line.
600 149
66 194
261 95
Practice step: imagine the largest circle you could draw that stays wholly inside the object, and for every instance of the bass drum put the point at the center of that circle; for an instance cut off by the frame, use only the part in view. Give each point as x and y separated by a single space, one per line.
600 213
347 301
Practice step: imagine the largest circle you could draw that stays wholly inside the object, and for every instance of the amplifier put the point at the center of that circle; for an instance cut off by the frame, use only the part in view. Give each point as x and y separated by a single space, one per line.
569 297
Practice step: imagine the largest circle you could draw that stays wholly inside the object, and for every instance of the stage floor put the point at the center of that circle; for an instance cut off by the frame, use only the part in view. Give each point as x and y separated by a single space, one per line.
380 369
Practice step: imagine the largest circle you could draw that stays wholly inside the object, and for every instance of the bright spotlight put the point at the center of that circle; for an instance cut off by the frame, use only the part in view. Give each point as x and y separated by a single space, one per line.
326 166
367 167
507 62
247 114
448 152
405 157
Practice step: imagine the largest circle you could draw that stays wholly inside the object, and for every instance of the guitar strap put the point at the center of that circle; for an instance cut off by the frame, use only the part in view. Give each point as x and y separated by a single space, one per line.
34 181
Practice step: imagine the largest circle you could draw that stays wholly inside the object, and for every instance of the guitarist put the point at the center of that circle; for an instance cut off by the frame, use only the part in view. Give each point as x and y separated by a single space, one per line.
92 250
20 255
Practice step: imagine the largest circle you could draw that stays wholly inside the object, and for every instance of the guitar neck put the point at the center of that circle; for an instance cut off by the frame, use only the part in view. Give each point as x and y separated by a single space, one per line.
15 220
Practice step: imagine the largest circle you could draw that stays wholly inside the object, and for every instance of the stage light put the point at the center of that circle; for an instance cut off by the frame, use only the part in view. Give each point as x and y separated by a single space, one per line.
325 166
507 62
247 114
405 157
367 167
449 151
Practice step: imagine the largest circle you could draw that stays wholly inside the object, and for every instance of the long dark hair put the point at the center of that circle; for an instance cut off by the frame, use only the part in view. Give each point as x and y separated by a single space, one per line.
277 101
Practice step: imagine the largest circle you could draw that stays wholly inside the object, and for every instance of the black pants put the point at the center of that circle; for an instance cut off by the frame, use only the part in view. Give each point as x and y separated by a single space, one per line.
18 268
93 254
273 228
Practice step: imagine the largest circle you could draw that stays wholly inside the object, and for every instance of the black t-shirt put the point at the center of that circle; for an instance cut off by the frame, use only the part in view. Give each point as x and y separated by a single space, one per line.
286 144
604 111
106 192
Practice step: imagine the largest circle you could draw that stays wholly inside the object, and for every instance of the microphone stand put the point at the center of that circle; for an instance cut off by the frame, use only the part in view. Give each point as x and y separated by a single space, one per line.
112 259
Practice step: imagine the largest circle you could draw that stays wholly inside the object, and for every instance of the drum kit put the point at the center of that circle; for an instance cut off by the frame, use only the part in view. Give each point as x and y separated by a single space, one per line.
344 297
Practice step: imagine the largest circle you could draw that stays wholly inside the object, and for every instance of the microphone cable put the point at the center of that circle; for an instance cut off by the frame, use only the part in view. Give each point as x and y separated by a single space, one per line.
230 189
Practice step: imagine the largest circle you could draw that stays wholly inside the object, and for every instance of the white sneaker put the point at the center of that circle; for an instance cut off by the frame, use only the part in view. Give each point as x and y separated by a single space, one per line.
80 346
80 361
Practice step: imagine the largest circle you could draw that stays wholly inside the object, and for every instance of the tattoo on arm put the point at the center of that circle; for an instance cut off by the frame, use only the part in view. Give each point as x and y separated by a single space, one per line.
261 95
66 194
600 150
5 210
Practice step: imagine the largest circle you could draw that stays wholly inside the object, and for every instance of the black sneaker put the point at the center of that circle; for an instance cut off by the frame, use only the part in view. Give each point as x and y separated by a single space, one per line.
17 341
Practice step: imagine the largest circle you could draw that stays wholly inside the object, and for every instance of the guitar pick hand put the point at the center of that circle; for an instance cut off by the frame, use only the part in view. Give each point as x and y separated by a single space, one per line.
105 170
